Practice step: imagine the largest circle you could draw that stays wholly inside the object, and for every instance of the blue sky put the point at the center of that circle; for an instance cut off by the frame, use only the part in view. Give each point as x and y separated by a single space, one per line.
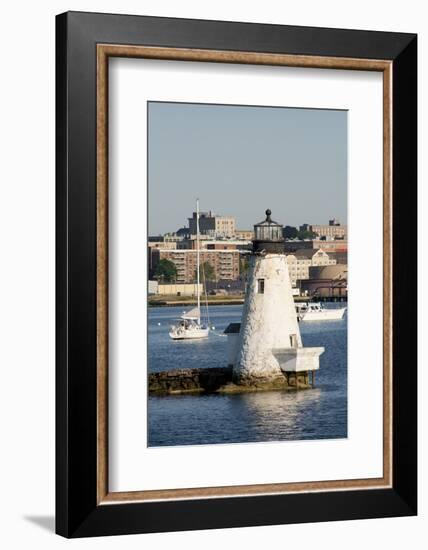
241 160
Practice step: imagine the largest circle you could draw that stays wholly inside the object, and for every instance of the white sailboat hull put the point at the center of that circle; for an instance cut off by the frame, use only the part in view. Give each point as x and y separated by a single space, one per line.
323 315
189 334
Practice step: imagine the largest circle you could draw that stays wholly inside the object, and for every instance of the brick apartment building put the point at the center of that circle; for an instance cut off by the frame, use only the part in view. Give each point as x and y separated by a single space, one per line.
225 262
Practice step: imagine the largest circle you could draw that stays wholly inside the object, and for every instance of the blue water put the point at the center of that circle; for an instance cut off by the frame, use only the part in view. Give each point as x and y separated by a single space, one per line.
318 413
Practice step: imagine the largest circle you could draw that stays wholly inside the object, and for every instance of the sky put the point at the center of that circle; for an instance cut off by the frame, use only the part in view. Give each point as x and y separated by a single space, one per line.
241 160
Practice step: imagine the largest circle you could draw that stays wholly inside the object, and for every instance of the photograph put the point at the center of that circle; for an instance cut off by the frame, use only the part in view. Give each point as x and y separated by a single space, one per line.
247 274
213 275
216 364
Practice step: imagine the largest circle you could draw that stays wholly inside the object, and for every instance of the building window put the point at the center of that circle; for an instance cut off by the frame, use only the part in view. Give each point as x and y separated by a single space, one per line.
261 286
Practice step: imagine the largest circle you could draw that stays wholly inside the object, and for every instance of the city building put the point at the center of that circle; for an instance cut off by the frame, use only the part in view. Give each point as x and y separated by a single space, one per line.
244 234
292 245
328 245
225 263
340 256
327 281
175 237
152 287
302 260
331 245
179 289
221 245
154 244
213 225
206 242
333 230
170 245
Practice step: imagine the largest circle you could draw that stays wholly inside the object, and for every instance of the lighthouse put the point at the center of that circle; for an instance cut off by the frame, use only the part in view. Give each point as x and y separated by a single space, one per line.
266 346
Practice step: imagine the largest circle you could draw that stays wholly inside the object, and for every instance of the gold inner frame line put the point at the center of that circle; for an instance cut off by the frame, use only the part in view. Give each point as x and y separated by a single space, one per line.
104 51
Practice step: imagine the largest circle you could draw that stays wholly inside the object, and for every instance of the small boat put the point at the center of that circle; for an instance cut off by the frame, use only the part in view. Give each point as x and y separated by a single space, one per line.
316 312
188 326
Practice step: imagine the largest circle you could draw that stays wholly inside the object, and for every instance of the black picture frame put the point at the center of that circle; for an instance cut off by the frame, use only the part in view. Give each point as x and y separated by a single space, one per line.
78 513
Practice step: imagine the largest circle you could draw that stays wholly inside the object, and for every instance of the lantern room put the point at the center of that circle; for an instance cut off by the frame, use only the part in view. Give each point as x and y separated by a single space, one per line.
268 236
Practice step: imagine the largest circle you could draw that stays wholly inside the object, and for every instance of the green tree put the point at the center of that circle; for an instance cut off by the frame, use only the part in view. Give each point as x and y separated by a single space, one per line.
306 234
243 265
206 272
289 232
166 271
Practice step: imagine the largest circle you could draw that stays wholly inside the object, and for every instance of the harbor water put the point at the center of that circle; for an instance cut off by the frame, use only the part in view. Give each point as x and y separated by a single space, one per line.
318 413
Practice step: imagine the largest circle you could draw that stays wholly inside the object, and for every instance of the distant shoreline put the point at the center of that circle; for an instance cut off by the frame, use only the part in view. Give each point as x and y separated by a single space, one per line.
173 301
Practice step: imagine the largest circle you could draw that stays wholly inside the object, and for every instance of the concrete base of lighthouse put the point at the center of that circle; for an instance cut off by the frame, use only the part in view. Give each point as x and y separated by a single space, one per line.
298 359
293 367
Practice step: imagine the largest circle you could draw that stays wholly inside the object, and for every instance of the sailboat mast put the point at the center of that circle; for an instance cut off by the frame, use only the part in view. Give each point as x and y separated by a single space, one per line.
197 261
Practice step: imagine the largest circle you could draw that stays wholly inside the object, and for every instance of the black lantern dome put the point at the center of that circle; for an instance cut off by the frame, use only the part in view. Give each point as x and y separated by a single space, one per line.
268 235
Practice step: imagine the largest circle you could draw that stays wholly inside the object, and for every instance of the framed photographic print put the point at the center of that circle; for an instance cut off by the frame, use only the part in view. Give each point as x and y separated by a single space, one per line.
236 345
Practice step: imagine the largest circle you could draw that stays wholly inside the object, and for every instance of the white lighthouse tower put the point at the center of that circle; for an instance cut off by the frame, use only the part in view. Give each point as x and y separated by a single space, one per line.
268 344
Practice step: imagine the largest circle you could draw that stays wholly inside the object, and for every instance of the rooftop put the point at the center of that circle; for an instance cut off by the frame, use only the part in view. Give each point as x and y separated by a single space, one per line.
306 252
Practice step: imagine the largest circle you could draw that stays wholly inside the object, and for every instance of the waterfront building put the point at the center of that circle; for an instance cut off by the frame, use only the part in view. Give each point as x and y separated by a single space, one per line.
179 289
244 234
174 237
228 245
213 225
328 245
327 281
166 245
331 245
333 230
152 287
225 262
207 242
300 261
267 343
341 257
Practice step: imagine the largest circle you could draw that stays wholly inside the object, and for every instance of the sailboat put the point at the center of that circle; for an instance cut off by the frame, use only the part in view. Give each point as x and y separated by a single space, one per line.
189 326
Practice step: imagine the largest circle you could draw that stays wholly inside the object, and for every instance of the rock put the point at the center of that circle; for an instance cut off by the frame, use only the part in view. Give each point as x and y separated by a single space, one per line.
219 380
